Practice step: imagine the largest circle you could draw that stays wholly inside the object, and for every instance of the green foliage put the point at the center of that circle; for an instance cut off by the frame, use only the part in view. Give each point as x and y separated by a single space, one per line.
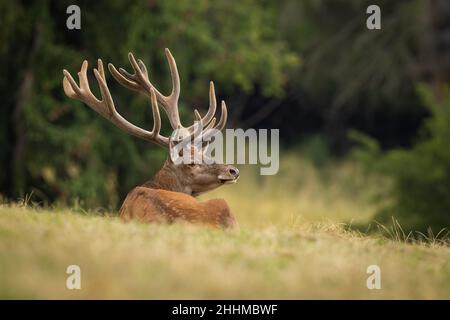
65 152
316 150
419 193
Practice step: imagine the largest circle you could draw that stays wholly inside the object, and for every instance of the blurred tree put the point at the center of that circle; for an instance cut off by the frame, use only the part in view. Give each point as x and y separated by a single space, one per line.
354 77
419 193
435 49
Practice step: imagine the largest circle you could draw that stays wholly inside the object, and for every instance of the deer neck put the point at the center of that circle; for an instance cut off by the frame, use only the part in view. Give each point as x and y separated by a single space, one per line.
167 179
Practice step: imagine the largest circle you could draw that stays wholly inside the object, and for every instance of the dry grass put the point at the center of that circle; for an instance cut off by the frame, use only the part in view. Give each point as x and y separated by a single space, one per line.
146 261
301 193
292 244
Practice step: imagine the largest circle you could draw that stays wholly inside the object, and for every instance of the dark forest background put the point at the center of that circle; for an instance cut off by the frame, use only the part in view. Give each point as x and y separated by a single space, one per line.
310 68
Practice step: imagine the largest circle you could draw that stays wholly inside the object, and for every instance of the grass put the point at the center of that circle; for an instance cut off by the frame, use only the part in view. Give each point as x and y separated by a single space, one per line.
299 192
292 244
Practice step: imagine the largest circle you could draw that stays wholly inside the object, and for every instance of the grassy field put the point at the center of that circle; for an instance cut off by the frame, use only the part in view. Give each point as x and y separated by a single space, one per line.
292 243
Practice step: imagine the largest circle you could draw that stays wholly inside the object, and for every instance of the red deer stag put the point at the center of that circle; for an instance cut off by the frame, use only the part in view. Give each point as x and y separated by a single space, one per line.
170 195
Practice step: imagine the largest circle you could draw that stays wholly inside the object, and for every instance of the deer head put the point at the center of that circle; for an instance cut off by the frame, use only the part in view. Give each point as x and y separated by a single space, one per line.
191 178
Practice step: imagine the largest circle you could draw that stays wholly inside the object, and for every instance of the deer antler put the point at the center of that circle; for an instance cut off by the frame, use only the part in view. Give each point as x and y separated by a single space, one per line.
139 81
106 108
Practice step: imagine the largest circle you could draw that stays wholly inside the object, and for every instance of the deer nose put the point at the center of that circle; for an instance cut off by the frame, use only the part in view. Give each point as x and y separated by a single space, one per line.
234 172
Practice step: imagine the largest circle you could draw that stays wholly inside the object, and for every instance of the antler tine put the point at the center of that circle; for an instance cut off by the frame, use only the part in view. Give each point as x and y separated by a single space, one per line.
156 114
139 81
210 130
212 104
82 92
211 124
205 121
170 103
123 80
223 117
106 107
175 95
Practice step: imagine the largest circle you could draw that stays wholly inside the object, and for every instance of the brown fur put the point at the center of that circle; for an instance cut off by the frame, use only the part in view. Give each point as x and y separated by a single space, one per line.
157 205
169 197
